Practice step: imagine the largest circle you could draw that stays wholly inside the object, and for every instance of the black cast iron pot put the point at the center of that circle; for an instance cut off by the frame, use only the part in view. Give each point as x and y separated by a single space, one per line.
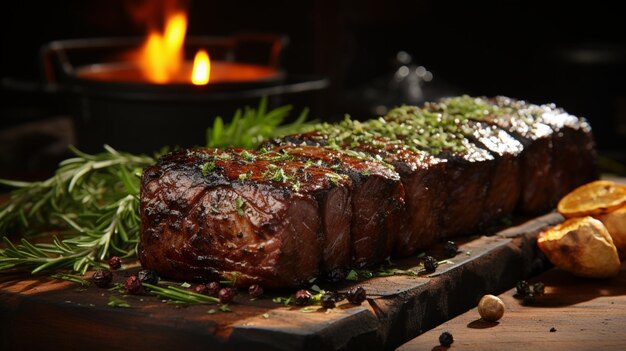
144 117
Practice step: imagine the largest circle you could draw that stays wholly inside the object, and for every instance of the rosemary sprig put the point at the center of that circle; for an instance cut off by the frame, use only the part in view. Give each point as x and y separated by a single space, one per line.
71 278
179 295
91 203
115 301
250 127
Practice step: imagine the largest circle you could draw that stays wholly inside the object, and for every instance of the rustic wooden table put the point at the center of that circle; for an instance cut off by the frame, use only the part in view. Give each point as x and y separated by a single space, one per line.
43 313
401 311
586 314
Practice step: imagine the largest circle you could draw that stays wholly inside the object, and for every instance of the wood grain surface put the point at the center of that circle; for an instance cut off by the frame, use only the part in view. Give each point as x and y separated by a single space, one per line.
42 313
583 314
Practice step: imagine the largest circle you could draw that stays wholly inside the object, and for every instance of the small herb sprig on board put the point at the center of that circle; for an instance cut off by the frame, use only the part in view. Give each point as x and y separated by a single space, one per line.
91 204
179 295
250 127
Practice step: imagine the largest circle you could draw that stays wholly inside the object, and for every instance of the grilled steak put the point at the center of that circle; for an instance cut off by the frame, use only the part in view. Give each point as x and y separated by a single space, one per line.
353 193
249 218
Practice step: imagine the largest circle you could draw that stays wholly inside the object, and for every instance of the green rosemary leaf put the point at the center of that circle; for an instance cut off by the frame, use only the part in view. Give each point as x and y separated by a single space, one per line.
71 278
117 302
179 295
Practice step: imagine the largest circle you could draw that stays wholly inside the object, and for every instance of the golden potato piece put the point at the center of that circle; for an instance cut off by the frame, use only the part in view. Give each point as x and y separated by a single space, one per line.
597 197
581 246
615 223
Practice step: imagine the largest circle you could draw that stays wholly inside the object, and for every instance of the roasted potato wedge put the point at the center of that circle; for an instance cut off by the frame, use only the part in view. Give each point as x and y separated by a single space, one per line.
581 246
591 199
615 223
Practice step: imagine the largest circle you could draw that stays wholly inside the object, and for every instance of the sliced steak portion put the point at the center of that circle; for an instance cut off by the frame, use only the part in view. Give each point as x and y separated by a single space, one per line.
505 183
469 167
377 202
536 160
574 155
241 216
504 186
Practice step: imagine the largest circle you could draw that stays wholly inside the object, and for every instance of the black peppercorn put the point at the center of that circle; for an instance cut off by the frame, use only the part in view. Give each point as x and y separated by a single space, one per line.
539 288
255 290
523 288
529 299
446 339
148 276
552 330
328 300
303 297
115 262
102 278
356 295
226 295
133 285
213 288
430 264
451 249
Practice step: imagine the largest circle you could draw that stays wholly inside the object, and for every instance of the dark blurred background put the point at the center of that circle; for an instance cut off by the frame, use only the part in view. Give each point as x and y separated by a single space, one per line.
375 54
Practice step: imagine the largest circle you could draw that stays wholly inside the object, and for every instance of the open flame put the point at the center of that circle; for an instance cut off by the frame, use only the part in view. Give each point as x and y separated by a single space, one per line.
161 58
201 68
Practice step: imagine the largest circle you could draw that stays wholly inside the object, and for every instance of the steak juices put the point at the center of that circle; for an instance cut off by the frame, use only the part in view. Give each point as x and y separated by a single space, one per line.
350 194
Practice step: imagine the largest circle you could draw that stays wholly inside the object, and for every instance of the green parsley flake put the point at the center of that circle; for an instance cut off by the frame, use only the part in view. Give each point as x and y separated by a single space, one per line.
239 204
207 167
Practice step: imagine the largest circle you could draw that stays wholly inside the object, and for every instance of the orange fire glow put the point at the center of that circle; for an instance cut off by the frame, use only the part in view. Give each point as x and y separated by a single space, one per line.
201 68
161 58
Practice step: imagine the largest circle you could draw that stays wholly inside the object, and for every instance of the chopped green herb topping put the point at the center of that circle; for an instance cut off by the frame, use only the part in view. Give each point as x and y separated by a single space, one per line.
247 156
224 156
207 167
239 204
244 176
276 174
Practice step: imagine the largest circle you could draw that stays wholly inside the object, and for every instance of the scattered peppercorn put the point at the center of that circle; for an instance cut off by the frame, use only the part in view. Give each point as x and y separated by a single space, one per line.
102 278
226 295
255 290
148 276
529 299
200 289
446 339
115 262
303 297
356 295
133 285
552 330
451 249
430 264
213 289
539 288
328 300
523 288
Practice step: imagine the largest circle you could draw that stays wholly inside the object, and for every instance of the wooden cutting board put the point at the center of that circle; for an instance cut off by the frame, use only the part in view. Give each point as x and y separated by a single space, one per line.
44 313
